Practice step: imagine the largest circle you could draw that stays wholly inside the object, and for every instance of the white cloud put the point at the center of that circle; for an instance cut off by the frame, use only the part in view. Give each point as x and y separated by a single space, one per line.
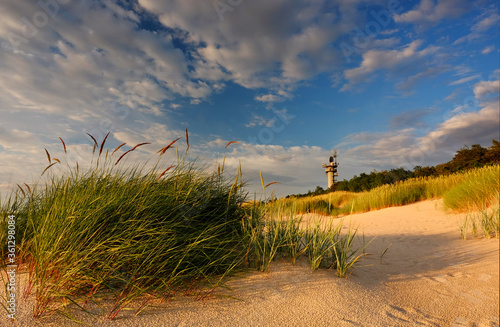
464 80
260 121
260 43
452 96
405 147
217 142
127 14
389 32
269 98
488 49
391 60
484 88
462 70
16 140
285 94
429 12
465 128
460 40
88 57
296 168
159 135
486 21
83 68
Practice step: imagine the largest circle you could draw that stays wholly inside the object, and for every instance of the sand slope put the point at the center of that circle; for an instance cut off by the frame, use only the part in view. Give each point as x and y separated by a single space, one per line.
428 277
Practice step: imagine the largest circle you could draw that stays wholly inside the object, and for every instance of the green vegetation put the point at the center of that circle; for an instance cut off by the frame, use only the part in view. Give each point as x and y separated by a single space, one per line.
285 237
147 232
133 231
485 223
465 159
462 191
476 191
366 182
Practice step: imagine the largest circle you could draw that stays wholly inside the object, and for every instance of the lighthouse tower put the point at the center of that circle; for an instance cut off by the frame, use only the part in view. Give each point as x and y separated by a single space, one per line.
331 169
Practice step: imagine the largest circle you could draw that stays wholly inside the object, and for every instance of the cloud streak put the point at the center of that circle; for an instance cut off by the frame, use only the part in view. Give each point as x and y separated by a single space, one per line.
393 61
429 12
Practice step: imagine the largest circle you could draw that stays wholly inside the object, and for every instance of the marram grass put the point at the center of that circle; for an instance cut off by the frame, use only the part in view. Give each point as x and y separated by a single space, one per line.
461 191
148 231
288 237
129 231
477 190
481 224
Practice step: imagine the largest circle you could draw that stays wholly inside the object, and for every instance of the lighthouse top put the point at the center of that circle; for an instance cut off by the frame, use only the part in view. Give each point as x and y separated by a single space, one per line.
332 161
331 169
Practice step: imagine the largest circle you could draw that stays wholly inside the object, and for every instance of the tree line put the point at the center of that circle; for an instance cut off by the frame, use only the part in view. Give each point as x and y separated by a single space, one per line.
464 159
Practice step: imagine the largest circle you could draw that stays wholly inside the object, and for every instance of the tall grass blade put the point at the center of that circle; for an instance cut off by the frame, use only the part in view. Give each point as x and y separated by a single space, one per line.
163 150
95 142
231 142
64 145
48 156
118 148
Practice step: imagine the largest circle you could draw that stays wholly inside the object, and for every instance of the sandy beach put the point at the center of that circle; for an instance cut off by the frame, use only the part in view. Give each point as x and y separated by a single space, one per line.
428 277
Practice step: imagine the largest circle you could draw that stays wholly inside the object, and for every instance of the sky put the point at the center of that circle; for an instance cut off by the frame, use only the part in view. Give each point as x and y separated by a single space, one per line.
387 83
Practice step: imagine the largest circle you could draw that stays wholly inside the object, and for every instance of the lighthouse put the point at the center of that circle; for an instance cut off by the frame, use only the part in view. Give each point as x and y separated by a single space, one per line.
331 169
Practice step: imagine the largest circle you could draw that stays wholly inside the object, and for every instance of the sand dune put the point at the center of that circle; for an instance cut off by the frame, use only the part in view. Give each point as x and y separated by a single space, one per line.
428 277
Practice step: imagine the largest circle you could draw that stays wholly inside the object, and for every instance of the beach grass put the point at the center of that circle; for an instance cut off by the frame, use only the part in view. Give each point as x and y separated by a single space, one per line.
286 235
477 189
133 232
481 224
462 191
119 233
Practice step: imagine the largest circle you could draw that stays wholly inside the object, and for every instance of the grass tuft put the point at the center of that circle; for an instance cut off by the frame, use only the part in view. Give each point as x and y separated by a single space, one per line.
284 235
124 232
481 224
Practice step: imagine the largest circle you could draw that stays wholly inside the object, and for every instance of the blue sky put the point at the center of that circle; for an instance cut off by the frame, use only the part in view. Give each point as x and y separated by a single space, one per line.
387 83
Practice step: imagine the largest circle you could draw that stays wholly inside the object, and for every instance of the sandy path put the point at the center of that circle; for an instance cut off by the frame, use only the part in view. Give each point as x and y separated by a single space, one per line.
428 277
